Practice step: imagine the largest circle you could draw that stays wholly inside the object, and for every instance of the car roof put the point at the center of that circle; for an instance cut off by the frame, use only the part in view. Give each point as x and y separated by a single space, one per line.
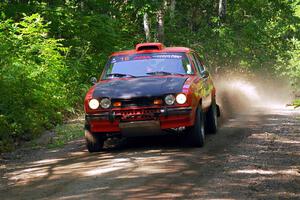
152 48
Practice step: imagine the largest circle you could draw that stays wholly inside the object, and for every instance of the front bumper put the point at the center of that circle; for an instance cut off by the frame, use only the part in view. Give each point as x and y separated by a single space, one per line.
113 120
164 112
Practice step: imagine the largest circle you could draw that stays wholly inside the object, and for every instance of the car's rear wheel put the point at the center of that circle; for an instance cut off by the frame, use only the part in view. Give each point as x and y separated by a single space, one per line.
196 133
94 142
211 124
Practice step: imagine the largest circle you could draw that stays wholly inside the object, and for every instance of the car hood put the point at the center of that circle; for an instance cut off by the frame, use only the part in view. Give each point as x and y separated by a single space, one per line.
139 87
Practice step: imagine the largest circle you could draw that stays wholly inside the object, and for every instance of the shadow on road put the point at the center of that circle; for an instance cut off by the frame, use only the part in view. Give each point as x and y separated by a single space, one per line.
252 156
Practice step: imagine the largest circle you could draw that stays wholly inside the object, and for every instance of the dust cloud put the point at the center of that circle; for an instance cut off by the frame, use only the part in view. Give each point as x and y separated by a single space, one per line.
240 93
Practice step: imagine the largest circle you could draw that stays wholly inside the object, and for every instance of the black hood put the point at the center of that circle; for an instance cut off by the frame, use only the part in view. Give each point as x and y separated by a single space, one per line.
139 87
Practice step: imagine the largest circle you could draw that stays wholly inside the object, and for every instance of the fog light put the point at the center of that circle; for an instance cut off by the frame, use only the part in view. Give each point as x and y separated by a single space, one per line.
157 102
117 104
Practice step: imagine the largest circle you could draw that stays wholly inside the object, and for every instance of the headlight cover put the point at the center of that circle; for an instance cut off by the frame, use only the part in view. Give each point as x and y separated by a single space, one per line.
105 103
181 98
94 104
170 99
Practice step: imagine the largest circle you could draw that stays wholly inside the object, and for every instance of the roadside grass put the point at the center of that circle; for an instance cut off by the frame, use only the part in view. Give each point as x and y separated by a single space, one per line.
296 103
65 133
54 138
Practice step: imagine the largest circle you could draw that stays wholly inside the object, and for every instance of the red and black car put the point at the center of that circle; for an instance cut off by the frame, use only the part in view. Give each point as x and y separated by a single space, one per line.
148 90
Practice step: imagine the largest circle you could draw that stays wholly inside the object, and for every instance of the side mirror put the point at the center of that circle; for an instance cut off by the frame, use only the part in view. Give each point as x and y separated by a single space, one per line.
93 80
204 74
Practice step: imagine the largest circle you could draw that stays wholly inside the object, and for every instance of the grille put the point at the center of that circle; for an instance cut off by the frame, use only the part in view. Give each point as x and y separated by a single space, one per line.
136 115
135 102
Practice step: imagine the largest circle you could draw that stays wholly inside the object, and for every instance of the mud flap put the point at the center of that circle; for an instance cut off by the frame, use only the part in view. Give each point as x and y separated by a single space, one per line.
218 111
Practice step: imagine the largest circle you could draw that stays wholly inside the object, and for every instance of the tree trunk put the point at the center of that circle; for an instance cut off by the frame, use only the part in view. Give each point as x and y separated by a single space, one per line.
160 21
82 5
172 9
147 27
222 9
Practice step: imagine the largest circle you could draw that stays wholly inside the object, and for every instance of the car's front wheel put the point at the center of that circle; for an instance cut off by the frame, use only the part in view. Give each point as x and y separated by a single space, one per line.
94 142
212 118
196 133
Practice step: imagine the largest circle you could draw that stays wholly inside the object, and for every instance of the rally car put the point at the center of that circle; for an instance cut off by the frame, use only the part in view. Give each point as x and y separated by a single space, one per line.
150 90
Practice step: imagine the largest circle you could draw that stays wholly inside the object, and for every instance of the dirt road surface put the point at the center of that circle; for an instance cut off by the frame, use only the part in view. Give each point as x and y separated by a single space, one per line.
255 155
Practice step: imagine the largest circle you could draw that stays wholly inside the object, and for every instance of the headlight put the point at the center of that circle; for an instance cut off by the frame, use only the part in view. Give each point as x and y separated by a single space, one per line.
170 99
105 103
93 104
181 98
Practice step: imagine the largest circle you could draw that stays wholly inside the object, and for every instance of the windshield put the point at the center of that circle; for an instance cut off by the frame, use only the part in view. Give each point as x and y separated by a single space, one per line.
148 65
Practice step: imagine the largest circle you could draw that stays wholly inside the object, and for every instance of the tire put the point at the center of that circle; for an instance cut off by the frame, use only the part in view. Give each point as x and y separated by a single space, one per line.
211 121
94 143
196 133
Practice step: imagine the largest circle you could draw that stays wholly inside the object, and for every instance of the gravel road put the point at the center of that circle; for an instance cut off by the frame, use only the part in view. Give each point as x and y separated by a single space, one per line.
253 156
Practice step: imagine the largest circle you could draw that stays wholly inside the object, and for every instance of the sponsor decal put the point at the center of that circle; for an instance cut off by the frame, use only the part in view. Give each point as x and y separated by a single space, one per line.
145 57
168 56
141 57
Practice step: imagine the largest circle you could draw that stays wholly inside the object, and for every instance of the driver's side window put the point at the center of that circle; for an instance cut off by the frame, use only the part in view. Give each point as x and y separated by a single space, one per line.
199 66
195 63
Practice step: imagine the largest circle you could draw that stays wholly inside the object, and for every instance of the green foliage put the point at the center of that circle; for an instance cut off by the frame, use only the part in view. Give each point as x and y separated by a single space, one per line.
296 103
254 35
291 68
33 94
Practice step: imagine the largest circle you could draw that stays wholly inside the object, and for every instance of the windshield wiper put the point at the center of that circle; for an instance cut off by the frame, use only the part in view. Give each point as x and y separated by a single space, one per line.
163 73
120 75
